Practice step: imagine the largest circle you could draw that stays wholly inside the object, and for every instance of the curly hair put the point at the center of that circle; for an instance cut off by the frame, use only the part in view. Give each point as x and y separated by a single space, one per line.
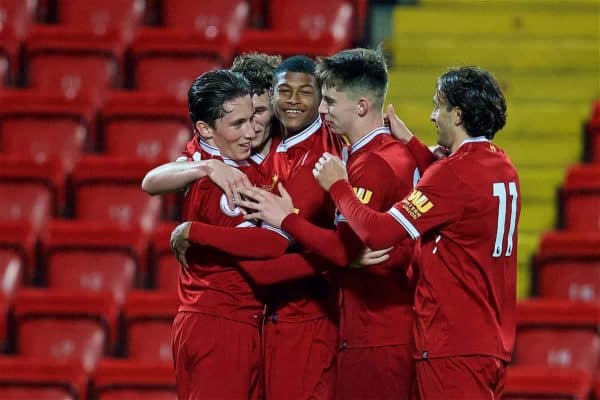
258 70
478 96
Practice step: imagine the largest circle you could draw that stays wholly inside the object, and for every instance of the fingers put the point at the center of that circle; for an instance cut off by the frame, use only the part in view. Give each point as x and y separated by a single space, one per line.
284 193
375 260
378 253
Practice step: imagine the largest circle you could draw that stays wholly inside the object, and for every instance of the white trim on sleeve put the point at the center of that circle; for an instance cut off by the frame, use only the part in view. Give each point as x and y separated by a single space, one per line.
406 224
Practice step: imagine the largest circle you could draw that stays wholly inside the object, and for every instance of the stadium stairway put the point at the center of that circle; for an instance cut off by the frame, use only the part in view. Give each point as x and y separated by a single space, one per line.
545 56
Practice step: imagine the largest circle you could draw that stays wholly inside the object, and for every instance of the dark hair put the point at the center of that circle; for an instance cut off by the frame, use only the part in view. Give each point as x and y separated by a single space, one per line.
478 96
298 63
356 71
258 69
210 90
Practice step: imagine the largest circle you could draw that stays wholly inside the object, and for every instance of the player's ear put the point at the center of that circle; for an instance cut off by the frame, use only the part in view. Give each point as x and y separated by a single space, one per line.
204 130
458 118
362 106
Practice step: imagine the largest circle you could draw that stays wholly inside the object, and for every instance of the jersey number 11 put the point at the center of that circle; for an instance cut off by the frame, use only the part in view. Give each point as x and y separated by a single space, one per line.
500 192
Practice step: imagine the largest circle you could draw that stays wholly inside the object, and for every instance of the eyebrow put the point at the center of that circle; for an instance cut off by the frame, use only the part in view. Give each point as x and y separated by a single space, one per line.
328 99
239 121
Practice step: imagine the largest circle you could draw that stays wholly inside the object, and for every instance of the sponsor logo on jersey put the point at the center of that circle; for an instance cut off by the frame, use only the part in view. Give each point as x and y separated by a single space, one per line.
225 207
363 195
416 204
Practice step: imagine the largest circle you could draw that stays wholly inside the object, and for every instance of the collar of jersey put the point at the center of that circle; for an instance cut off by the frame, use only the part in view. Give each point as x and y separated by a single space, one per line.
215 152
476 139
288 143
365 140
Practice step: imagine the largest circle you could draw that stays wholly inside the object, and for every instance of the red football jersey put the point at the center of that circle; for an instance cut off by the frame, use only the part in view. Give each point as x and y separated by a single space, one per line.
212 284
377 301
466 211
294 161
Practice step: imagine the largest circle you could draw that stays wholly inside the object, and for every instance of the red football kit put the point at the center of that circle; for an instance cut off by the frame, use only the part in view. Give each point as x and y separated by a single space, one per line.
466 210
300 333
376 341
216 341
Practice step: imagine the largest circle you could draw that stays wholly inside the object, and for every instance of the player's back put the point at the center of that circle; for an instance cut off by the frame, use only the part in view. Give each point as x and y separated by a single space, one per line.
470 246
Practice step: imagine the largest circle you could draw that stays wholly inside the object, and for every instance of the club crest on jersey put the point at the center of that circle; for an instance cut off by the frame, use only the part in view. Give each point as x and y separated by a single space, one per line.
416 204
363 195
273 184
225 207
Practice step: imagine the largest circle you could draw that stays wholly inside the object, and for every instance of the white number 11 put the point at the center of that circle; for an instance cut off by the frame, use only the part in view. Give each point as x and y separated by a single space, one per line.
500 192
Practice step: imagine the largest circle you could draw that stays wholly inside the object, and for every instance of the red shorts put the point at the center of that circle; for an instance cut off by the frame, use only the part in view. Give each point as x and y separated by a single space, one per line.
215 358
461 377
386 372
300 359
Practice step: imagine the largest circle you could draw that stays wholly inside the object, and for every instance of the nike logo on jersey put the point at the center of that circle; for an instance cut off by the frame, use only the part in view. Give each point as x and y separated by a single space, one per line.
363 195
416 204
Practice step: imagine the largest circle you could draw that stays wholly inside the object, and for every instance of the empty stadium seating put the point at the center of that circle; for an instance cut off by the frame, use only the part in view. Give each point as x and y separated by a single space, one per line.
30 192
559 334
44 127
132 380
17 16
108 188
78 327
310 27
101 17
148 318
33 378
568 265
145 126
166 267
580 199
546 383
73 63
17 237
93 257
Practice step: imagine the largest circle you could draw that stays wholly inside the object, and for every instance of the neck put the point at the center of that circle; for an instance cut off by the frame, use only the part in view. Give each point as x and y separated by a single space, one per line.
459 137
364 125
263 150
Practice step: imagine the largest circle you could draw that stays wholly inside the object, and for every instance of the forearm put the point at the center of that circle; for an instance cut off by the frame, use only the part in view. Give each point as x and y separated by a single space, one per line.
286 268
339 247
253 243
174 176
376 230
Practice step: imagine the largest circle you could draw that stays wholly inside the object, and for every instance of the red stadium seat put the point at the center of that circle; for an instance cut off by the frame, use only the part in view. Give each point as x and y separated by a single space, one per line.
144 126
568 265
580 198
93 257
73 63
132 380
168 61
101 17
546 383
12 271
592 145
149 317
31 378
17 237
222 19
3 324
560 334
44 128
16 17
166 267
63 325
108 189
311 27
30 191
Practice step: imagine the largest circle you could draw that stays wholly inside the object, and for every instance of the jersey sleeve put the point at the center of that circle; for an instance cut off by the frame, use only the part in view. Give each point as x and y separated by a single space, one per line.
419 150
245 240
285 268
436 201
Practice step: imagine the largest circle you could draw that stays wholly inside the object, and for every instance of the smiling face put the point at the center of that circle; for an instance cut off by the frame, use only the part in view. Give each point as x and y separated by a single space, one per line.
445 120
263 119
234 132
296 100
